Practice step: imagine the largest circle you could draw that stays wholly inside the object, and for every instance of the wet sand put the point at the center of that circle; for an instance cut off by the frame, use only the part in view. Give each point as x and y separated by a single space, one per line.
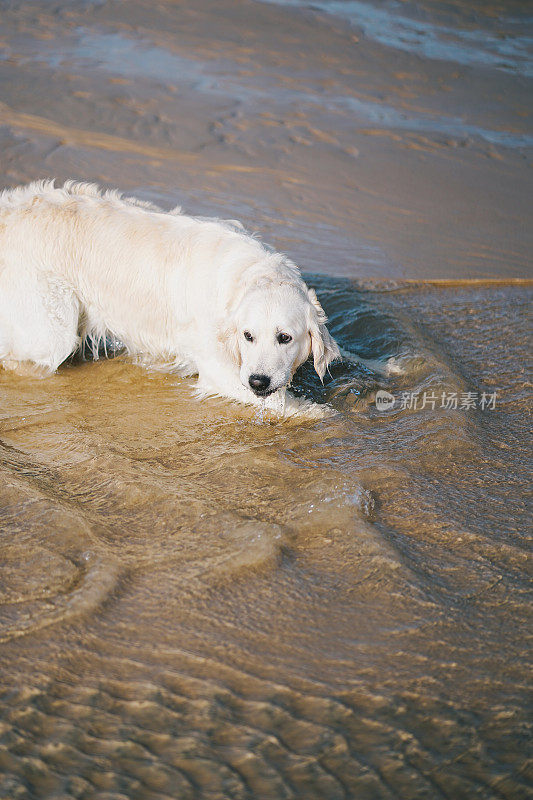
195 602
355 157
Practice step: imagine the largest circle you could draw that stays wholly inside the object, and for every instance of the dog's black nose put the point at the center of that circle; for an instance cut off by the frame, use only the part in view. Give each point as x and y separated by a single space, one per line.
259 383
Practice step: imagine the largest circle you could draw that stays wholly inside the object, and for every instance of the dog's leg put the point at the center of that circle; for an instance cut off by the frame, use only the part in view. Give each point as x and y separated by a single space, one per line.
38 321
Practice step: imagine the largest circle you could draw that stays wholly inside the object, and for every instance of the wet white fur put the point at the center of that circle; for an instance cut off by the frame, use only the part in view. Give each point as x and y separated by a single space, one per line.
177 291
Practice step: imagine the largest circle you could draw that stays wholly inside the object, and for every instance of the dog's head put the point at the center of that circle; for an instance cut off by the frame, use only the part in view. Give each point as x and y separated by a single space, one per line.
272 331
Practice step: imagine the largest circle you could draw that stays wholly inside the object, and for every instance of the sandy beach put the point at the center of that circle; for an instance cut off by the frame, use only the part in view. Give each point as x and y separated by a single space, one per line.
354 156
198 603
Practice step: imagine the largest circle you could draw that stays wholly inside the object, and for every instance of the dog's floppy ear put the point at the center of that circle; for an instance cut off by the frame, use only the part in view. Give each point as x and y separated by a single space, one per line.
323 345
227 337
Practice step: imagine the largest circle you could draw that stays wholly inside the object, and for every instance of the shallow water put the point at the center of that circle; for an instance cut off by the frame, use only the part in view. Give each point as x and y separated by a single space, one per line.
483 34
355 151
204 604
197 600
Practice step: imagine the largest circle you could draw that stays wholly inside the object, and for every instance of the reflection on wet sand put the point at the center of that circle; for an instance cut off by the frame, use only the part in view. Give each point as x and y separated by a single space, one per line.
199 603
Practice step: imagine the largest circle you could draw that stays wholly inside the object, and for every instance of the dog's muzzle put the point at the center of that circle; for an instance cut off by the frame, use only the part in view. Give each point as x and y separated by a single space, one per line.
260 385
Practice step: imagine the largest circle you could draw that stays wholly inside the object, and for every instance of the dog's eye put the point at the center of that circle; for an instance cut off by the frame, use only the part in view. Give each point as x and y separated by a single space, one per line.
284 338
248 336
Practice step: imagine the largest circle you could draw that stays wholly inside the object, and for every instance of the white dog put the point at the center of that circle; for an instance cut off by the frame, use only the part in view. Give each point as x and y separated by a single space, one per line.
190 295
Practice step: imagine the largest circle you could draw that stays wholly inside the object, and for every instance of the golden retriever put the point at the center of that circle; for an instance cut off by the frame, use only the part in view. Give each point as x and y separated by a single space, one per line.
191 295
